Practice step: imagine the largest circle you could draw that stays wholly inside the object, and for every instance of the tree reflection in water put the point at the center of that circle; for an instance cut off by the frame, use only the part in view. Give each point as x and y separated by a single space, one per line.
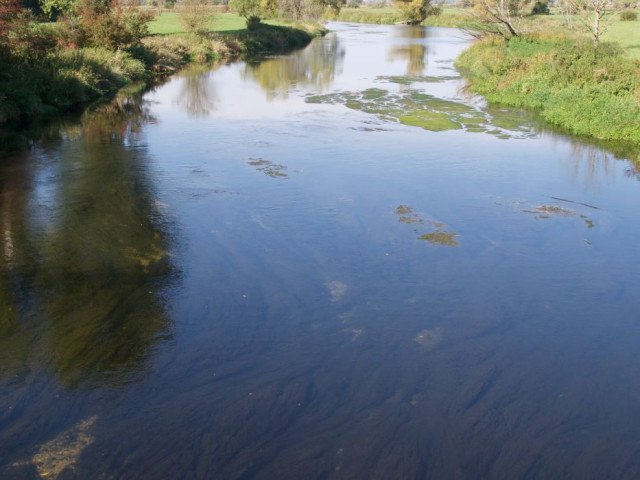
315 67
197 93
414 53
79 292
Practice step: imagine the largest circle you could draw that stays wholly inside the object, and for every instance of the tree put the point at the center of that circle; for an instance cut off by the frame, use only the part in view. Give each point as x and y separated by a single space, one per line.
499 17
195 15
592 13
251 10
414 12
55 8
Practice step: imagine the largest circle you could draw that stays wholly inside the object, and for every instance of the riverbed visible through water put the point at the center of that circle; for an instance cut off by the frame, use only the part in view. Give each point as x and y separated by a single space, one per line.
334 264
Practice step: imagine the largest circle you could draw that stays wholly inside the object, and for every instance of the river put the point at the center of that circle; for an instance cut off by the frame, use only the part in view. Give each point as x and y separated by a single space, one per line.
334 264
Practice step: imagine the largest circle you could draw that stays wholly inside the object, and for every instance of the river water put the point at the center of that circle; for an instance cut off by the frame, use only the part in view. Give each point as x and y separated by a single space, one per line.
335 264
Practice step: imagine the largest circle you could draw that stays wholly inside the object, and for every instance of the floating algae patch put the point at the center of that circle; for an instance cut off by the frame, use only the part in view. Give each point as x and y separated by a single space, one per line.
432 121
374 93
406 215
445 239
269 168
555 211
408 79
412 108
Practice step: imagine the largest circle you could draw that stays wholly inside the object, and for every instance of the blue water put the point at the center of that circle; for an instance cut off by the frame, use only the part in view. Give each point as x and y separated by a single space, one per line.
241 275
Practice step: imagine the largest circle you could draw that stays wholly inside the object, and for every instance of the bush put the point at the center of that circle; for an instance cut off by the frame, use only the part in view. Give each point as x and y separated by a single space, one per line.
195 15
413 12
107 24
27 39
628 16
540 8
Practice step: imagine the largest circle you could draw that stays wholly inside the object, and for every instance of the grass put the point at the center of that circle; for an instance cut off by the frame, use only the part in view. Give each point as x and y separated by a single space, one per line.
168 23
583 90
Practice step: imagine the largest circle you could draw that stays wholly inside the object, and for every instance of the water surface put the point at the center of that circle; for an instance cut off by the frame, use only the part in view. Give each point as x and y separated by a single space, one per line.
334 264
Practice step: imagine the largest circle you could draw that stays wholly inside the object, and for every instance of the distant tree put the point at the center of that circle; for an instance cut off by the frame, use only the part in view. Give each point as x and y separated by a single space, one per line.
251 10
500 17
541 7
414 12
56 8
308 9
593 13
195 15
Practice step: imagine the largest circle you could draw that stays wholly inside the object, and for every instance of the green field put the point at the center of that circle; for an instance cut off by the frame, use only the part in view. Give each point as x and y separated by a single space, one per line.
168 23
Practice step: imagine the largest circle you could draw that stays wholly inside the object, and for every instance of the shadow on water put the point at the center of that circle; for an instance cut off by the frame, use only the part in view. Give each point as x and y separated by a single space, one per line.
314 67
84 254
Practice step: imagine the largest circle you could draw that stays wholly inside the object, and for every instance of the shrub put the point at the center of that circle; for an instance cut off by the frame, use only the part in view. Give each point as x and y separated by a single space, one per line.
628 16
540 8
28 39
107 24
414 12
195 15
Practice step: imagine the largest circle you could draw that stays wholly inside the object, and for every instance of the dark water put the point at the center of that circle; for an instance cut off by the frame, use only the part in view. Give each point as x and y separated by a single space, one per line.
330 265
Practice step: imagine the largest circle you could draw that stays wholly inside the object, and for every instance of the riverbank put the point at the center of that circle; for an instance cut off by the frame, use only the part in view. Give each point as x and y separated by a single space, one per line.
573 85
582 89
68 79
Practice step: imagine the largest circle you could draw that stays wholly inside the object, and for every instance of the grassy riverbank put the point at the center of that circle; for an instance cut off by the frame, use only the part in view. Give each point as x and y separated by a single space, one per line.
65 79
554 71
573 85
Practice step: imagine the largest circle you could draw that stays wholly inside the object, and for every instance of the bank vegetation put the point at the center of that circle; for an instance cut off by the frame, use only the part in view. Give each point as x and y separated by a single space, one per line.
62 55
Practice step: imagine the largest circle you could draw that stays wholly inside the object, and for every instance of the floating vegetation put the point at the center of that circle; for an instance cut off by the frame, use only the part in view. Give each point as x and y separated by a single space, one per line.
269 168
439 237
550 211
418 109
428 338
406 215
410 79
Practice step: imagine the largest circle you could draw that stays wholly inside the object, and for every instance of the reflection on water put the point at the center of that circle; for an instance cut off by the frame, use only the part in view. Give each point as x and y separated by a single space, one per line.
80 290
198 94
414 53
314 67
357 297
